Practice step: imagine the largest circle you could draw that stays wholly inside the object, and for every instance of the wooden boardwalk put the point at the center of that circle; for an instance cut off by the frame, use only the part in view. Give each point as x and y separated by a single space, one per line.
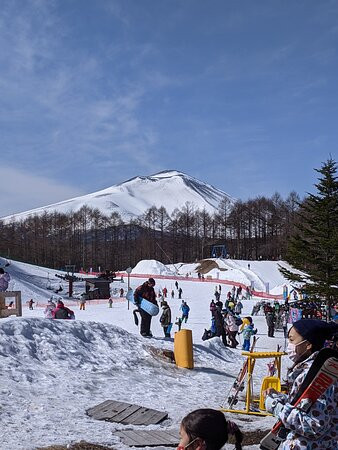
151 438
126 413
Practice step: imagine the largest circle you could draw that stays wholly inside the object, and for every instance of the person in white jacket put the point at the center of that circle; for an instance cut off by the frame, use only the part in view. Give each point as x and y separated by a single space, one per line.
316 428
232 329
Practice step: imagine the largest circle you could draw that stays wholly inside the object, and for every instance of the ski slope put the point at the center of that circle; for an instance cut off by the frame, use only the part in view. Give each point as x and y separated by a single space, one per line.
52 371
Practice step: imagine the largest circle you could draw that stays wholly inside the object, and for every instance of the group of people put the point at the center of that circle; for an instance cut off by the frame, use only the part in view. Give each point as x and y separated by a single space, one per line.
58 311
146 291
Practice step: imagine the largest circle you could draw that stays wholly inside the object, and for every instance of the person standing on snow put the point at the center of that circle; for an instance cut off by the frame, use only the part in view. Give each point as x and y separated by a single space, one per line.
30 303
317 427
270 321
247 332
82 304
185 311
232 329
238 307
146 291
180 293
4 280
165 319
49 309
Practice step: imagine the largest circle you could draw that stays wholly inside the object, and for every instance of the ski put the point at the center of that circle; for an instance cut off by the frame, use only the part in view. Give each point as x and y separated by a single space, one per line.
238 385
321 375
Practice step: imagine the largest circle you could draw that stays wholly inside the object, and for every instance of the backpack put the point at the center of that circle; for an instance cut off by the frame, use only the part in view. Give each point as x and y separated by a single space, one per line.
238 321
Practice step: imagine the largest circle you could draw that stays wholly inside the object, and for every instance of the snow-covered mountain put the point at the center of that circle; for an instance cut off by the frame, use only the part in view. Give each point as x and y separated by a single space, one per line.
171 189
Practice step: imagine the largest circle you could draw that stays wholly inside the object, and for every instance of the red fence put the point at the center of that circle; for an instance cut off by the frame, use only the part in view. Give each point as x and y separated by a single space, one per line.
182 278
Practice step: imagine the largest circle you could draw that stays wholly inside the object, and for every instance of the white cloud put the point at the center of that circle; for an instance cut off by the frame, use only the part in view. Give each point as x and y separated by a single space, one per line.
22 191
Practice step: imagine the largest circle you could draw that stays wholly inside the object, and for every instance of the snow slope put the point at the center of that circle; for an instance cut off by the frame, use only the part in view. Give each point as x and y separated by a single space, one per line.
171 189
52 371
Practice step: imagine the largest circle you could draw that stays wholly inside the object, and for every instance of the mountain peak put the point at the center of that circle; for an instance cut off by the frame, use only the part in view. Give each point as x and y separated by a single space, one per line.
169 188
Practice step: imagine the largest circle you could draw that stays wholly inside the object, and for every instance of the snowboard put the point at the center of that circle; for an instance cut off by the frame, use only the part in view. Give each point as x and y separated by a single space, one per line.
144 304
321 375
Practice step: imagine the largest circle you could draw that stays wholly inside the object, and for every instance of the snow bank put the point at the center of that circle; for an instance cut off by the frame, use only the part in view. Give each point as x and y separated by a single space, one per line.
52 371
153 267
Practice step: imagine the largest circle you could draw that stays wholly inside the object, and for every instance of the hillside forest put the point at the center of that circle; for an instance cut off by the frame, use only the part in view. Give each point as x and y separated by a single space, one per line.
259 228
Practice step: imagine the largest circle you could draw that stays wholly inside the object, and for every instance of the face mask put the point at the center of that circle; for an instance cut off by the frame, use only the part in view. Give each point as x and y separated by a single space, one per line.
292 351
184 447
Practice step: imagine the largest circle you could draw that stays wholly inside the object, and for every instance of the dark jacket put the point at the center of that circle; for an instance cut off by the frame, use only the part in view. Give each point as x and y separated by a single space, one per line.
145 291
270 319
165 318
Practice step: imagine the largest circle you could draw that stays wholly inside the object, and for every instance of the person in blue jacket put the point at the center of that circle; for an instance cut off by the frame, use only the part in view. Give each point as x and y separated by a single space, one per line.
185 311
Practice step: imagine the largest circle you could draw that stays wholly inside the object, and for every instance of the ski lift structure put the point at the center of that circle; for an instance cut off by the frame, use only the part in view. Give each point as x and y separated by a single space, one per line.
219 251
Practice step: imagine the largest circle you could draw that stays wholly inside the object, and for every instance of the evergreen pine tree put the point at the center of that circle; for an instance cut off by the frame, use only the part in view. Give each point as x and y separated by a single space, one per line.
313 248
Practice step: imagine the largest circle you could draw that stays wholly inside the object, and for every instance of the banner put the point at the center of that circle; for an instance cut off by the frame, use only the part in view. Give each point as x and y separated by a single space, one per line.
295 314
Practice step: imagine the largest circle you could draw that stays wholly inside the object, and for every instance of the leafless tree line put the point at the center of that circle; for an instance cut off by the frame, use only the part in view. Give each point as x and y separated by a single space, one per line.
255 229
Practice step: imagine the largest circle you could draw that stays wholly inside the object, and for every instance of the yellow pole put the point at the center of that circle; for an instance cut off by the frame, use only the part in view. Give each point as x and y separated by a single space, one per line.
248 391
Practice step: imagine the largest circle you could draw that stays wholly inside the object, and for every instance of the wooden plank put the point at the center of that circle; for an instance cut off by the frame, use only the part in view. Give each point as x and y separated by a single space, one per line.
151 416
98 407
164 437
123 416
107 409
137 418
129 437
144 438
126 413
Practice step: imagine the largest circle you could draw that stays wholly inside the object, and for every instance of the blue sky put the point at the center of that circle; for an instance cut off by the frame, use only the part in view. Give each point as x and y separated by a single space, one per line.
240 94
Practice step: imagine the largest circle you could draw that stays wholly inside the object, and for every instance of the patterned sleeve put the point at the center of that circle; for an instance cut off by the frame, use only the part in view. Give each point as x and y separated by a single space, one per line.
313 423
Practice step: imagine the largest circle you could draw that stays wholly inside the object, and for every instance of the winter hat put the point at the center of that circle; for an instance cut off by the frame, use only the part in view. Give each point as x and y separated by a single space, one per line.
316 331
152 281
60 303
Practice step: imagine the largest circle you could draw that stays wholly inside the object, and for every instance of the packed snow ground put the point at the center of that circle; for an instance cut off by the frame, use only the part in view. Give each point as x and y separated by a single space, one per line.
52 371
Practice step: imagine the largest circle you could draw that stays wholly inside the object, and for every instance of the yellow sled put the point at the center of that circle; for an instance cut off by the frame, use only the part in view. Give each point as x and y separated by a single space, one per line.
267 383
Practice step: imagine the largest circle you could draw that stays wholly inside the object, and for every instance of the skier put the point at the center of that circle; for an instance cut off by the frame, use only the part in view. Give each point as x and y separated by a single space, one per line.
165 319
180 293
4 280
146 291
121 292
176 284
317 427
207 429
165 292
110 302
185 311
30 303
172 293
62 312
